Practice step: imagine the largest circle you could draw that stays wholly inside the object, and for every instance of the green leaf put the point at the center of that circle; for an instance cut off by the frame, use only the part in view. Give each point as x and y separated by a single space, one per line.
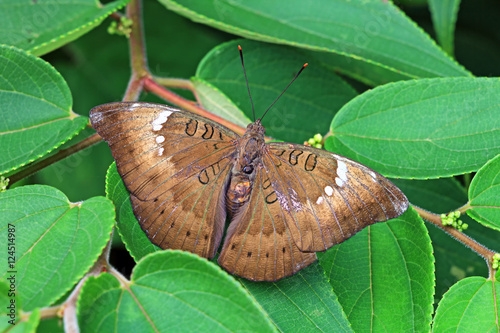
444 17
484 194
135 240
35 108
384 276
454 261
471 305
55 241
303 302
373 32
317 94
217 103
427 128
42 26
170 291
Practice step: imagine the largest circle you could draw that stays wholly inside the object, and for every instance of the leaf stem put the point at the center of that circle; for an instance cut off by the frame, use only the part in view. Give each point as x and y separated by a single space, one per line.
175 83
480 249
61 154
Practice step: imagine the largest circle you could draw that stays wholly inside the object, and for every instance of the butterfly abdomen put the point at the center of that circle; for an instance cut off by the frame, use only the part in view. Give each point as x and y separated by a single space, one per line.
238 192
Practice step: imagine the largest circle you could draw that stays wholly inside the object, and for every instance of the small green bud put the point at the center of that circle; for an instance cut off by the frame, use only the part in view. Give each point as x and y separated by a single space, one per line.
452 220
495 263
4 182
123 28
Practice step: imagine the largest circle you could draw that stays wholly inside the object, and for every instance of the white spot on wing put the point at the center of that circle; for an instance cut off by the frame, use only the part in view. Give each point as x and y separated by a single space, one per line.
339 182
160 151
134 106
160 139
329 190
319 201
342 171
160 120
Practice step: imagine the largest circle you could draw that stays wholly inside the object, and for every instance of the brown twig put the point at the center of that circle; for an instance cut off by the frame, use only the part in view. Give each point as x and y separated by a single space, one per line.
480 249
35 167
138 58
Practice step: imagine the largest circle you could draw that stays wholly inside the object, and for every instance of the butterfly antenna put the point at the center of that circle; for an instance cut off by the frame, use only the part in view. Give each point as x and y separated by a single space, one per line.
246 79
296 76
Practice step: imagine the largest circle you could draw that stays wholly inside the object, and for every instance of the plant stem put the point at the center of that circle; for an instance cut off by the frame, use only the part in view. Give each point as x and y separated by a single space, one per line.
480 249
175 83
138 59
35 167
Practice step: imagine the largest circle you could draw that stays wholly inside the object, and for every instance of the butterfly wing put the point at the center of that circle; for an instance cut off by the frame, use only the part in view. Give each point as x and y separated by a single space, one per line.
175 165
326 198
258 245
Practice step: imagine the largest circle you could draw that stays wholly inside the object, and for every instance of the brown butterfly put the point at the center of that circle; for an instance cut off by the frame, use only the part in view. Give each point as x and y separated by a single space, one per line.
285 201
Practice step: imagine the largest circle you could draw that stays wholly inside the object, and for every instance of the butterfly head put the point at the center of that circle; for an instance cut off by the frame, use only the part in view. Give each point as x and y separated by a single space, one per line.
256 128
249 149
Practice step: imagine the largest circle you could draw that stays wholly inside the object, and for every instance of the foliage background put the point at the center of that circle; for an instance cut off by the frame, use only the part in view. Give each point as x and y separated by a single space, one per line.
96 68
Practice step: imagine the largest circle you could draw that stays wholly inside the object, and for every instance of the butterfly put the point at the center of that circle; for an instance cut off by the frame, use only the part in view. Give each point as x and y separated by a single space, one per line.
187 174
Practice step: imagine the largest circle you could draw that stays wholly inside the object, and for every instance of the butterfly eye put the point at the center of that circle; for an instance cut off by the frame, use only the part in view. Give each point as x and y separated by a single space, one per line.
248 169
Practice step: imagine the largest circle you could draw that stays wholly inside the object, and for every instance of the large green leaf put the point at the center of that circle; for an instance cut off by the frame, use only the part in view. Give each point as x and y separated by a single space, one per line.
55 241
471 305
427 128
484 195
304 110
42 26
304 302
384 276
373 33
35 108
170 291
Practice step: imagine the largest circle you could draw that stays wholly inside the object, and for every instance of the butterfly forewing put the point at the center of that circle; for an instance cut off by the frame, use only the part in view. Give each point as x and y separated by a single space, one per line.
258 245
328 198
175 165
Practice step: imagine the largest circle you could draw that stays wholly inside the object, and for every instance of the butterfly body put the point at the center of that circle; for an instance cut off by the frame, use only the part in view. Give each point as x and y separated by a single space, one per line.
248 159
186 174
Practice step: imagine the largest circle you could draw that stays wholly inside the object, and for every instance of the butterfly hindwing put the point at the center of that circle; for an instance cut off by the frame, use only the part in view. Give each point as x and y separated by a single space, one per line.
175 165
328 198
258 246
